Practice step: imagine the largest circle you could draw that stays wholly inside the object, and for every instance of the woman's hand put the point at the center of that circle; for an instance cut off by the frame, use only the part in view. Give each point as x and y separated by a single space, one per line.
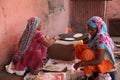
79 64
76 66
86 40
56 37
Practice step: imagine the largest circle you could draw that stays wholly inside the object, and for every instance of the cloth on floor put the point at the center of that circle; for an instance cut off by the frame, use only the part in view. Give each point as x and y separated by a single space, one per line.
46 76
70 74
10 69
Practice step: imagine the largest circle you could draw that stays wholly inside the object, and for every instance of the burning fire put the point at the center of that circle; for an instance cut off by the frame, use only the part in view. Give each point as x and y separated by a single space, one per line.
69 30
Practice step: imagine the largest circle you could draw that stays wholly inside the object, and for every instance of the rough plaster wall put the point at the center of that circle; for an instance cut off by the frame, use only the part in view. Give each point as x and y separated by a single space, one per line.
113 9
57 23
13 19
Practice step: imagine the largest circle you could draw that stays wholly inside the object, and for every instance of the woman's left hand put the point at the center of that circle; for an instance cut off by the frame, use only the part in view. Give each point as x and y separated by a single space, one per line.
76 66
56 37
79 64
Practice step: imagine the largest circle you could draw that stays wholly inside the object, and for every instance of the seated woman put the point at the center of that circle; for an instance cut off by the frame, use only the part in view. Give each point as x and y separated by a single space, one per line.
32 49
98 55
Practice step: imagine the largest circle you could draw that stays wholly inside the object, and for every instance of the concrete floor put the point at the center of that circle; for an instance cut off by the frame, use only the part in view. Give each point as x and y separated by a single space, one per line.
6 76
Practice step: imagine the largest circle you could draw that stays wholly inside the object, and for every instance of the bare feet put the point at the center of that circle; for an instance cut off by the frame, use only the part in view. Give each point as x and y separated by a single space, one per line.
35 72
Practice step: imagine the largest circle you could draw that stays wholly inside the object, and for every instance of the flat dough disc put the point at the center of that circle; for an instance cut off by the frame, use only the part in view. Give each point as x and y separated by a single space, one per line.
77 35
69 39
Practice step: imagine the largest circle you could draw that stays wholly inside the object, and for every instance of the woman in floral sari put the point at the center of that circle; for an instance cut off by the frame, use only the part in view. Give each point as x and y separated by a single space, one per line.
32 49
98 55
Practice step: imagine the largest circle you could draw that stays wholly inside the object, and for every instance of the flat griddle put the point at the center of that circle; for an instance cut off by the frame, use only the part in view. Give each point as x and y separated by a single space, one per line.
70 35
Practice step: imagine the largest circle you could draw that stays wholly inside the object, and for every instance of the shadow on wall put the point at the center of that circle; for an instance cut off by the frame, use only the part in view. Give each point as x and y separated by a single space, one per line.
11 51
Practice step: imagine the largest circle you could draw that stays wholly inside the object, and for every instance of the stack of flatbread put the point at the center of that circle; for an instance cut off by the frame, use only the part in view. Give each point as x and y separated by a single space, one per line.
55 67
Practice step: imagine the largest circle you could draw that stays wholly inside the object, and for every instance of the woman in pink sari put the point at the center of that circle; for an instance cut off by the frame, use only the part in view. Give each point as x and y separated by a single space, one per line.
32 49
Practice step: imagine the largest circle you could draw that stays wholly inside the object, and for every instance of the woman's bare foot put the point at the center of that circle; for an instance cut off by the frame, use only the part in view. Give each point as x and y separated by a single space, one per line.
35 72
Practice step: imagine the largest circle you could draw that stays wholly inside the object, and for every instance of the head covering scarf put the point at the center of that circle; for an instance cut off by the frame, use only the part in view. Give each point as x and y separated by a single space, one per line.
27 36
102 38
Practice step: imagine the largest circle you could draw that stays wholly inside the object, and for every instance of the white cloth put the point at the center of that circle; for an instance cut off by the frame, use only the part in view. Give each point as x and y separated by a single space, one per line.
103 77
9 69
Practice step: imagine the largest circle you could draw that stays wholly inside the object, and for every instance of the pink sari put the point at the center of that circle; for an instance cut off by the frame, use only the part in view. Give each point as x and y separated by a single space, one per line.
30 46
35 55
